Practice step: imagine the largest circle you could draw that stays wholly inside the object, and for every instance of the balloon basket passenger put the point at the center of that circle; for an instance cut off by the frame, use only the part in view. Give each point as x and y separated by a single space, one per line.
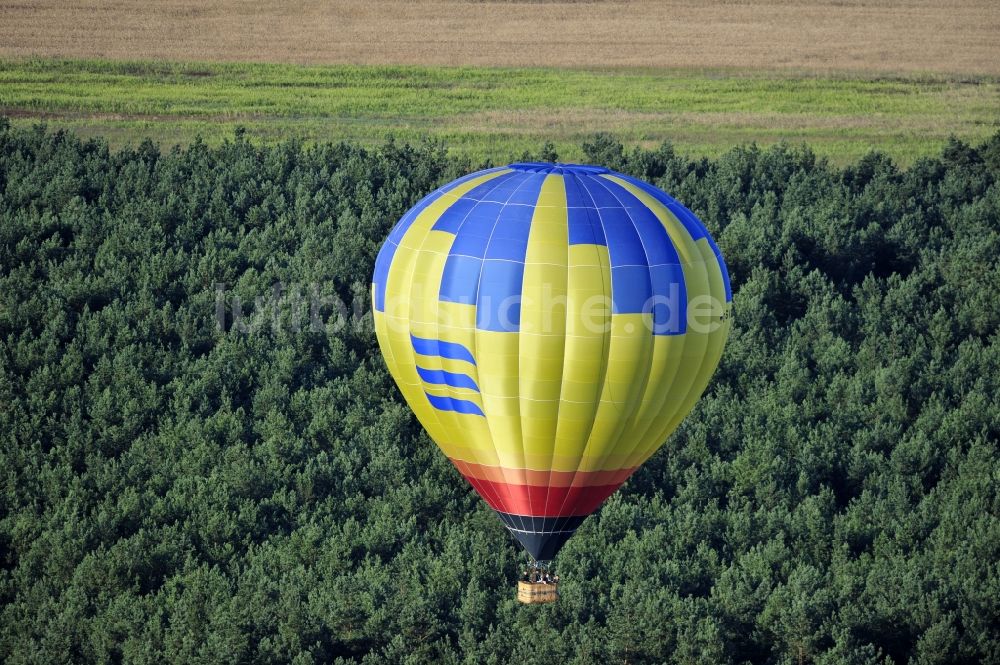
538 585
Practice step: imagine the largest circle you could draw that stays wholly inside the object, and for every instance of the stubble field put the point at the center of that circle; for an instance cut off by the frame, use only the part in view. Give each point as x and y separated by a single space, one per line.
915 36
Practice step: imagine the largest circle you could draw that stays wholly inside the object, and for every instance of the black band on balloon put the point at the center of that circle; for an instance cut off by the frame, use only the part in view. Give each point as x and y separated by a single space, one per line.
542 537
541 524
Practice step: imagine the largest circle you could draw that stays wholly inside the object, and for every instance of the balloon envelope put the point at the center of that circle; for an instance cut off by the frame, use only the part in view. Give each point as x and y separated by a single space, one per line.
550 325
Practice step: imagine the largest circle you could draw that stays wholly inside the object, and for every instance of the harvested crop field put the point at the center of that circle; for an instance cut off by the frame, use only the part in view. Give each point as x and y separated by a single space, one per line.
960 37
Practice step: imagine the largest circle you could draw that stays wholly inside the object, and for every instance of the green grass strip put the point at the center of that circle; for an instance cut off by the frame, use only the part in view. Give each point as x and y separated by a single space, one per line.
492 113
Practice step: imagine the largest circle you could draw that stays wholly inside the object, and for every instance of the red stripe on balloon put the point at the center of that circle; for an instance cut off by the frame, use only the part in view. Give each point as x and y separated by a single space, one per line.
537 501
499 474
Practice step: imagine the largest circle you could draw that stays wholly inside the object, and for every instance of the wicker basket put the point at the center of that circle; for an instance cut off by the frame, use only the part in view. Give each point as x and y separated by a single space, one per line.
532 593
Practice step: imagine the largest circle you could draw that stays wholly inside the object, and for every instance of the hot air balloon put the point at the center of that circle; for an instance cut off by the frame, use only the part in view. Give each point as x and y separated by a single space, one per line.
550 325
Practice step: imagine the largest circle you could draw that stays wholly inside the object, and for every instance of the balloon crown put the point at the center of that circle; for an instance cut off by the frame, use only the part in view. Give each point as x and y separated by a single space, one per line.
550 167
